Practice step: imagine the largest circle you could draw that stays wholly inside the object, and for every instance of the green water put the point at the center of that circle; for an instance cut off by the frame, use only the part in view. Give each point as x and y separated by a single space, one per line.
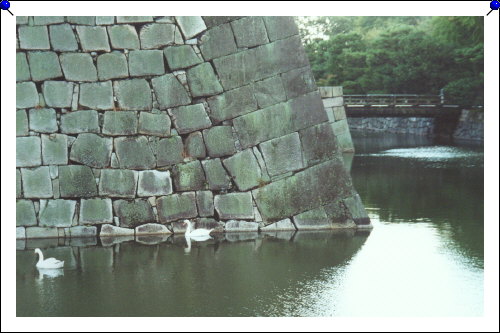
423 258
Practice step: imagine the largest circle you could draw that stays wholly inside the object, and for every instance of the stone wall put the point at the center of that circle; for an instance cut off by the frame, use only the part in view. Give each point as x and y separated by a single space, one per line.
470 126
128 125
410 125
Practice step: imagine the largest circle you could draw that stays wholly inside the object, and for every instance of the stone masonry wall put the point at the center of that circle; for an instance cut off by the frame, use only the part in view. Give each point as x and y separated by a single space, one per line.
128 125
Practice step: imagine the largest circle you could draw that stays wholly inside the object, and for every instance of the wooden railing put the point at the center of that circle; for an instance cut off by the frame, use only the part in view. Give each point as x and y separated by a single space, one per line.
393 100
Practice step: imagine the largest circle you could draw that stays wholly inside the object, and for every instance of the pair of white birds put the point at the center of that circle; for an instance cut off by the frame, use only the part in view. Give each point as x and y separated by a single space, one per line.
198 235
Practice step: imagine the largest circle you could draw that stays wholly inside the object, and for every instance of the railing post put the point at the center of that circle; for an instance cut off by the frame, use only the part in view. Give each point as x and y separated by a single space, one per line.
441 95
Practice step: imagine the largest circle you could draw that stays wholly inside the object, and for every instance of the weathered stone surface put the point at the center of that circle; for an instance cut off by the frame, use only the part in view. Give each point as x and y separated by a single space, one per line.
123 37
205 203
279 27
190 118
182 56
154 124
112 66
25 213
152 229
283 225
333 102
92 150
34 38
58 94
188 176
20 234
43 120
339 112
234 206
26 95
77 181
108 230
39 232
120 123
357 210
78 67
134 213
21 20
269 91
57 213
176 206
19 186
28 151
98 95
195 147
46 20
249 31
21 123
82 231
93 38
133 94
44 65
96 211
319 143
104 20
169 91
62 38
219 141
283 154
341 130
232 103
202 80
134 19
191 25
170 151
312 220
298 82
217 177
146 62
134 153
212 21
118 183
84 20
22 68
157 35
54 149
80 122
217 42
245 170
240 226
154 183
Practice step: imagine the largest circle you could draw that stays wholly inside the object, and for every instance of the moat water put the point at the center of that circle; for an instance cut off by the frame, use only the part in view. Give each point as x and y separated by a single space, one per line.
424 256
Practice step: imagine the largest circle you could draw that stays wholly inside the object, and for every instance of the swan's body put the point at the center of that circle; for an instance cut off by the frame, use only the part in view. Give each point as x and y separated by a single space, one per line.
49 263
197 234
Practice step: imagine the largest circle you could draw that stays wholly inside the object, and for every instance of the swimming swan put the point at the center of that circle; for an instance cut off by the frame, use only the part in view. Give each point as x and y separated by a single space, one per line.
197 233
49 262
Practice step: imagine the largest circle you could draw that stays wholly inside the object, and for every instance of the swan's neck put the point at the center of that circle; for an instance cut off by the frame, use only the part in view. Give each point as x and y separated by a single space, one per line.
40 256
189 228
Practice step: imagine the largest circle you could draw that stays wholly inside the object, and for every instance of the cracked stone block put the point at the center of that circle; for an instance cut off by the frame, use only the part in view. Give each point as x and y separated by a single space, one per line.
44 65
356 209
203 81
21 123
34 38
39 232
37 182
176 206
283 154
109 230
92 150
93 38
232 103
245 170
133 94
217 42
237 206
170 151
78 67
154 124
104 20
169 91
312 220
319 143
280 27
249 31
182 56
241 226
205 203
19 186
283 225
77 181
84 20
134 213
217 177
120 123
191 25
26 95
43 120
195 147
269 91
46 20
134 153
156 35
238 69
28 151
134 19
154 183
54 149
96 211
188 176
62 38
112 66
82 231
298 82
123 37
22 68
190 118
146 62
58 94
80 122
57 213
219 141
96 95
118 183
25 213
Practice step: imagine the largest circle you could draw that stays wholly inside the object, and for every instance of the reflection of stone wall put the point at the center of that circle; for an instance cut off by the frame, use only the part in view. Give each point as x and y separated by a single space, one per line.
125 121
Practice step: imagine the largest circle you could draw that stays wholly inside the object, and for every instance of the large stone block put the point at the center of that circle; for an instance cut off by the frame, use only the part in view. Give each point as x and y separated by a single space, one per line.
120 123
83 20
134 153
190 118
236 206
92 150
78 67
212 21
58 94
118 183
104 20
232 103
249 31
28 151
189 176
46 20
112 66
97 95
312 220
77 181
156 35
219 141
195 147
146 62
152 229
93 38
57 213
282 154
44 65
356 209
341 130
279 27
25 213
245 170
124 37
96 211
40 232
133 94
154 124
319 143
62 38
21 123
176 206
22 68
298 82
269 91
205 203
82 231
203 81
108 230
34 38
217 177
217 42
154 183
182 56
43 120
54 149
170 151
134 19
20 234
80 122
241 226
26 95
134 213
283 225
169 91
191 25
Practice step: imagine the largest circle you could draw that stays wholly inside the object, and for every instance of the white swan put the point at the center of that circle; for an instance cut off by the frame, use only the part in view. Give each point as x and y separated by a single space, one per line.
197 234
49 262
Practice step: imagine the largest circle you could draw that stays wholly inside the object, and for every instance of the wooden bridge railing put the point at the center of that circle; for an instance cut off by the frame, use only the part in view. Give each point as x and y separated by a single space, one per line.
392 100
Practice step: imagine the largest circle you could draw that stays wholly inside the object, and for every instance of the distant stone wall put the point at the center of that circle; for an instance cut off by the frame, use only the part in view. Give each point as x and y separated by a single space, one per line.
410 125
470 126
128 125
